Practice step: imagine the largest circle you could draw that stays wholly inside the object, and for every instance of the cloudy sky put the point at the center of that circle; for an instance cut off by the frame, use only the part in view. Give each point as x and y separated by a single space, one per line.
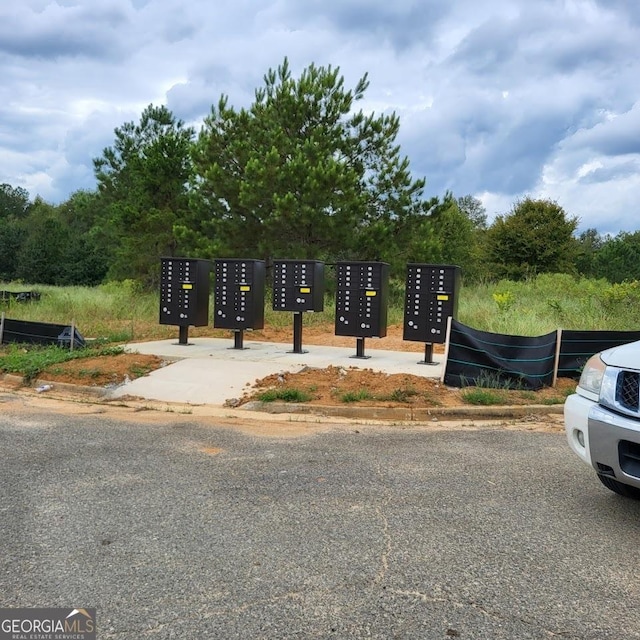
499 99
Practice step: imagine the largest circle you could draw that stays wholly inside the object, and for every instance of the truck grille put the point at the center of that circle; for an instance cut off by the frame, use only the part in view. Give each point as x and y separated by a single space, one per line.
628 390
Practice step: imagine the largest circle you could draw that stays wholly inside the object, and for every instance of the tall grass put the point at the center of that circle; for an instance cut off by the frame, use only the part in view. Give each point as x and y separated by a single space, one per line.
122 311
546 303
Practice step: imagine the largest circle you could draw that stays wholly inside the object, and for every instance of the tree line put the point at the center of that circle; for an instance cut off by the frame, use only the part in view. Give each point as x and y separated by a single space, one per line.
301 173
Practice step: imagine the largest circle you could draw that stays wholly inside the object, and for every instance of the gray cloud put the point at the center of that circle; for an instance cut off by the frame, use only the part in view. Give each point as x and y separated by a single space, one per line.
61 31
619 171
402 22
629 8
616 135
498 99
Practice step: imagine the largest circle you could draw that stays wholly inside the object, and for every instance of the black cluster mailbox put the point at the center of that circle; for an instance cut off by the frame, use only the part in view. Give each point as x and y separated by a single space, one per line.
298 286
239 296
362 296
184 293
431 297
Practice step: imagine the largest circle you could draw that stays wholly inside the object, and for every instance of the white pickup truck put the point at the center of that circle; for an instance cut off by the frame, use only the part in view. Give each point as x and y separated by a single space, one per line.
602 419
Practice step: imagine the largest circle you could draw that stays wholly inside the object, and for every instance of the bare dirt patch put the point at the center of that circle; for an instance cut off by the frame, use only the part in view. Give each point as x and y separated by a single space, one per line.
322 335
103 371
333 386
365 387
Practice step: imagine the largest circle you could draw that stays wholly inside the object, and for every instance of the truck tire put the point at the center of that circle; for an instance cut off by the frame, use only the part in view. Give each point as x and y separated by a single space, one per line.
619 488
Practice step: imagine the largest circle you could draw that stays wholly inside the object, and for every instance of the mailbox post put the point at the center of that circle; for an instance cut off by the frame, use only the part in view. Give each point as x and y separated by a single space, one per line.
239 296
362 295
298 286
431 297
184 294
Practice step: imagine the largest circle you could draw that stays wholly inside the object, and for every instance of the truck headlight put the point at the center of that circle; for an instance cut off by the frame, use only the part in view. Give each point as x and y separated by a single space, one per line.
592 375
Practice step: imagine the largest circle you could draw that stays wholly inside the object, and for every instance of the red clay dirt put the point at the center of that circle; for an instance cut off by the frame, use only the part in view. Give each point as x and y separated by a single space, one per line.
336 386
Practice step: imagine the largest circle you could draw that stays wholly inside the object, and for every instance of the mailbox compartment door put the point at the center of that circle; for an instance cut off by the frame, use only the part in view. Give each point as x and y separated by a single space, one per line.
431 297
239 294
184 291
298 285
362 290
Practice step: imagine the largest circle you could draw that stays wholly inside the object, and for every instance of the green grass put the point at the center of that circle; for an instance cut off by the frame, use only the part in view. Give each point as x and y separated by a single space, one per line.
287 394
120 312
553 401
31 360
495 380
484 397
356 396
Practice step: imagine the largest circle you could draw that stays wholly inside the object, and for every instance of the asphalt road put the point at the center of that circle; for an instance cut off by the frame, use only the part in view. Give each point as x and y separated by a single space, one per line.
182 529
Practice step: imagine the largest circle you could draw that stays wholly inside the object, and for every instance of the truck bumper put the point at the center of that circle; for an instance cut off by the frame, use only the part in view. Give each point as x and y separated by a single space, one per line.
605 440
614 445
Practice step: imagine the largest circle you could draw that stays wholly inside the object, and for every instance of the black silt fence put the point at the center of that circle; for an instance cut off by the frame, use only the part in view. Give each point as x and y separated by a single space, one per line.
479 356
576 347
45 333
19 296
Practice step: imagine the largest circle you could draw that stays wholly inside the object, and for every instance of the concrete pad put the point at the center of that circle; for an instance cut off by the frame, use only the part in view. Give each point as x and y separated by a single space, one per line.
211 371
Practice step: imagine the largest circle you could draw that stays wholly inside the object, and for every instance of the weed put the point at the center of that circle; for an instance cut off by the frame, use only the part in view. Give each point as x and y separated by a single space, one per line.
287 394
482 397
504 300
138 371
90 373
497 380
555 306
432 399
356 396
402 394
552 401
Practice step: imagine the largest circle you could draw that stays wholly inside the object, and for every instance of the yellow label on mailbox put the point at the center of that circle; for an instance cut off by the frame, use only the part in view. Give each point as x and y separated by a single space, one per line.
186 285
305 290
370 294
443 297
244 288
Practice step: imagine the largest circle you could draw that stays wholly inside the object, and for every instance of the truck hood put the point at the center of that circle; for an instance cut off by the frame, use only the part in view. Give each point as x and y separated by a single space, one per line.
626 356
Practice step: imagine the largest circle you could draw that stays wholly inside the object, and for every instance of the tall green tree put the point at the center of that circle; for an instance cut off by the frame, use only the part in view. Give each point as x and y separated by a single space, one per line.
12 236
14 207
299 174
143 186
535 237
85 259
473 209
42 254
589 244
14 202
618 258
439 233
